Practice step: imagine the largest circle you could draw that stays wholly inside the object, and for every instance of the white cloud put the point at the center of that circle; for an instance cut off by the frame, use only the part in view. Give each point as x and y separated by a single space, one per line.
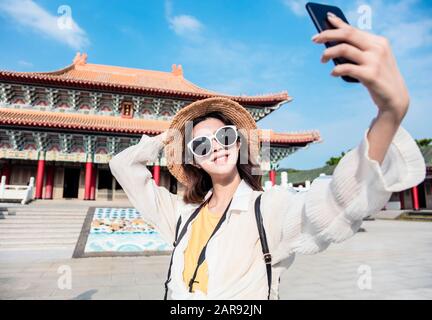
407 36
183 25
296 6
25 63
28 14
410 35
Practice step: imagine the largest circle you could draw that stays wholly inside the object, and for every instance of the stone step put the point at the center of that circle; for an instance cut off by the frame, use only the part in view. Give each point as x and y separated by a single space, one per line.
39 227
27 247
39 235
38 241
34 242
30 225
43 211
42 227
51 206
42 217
36 217
21 230
8 221
46 213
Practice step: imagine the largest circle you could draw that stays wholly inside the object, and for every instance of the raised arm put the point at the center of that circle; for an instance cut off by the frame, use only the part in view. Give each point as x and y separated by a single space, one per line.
157 205
333 208
387 159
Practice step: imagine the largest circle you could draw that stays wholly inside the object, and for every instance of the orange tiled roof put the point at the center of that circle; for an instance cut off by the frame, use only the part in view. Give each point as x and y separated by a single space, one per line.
297 137
50 119
106 77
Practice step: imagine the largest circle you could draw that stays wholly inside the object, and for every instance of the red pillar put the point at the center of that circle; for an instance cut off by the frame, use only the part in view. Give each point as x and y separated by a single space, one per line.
6 171
402 199
39 178
88 179
272 175
49 183
156 174
93 184
414 192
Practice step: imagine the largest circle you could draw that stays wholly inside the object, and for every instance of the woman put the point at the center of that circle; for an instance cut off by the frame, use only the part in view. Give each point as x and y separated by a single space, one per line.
216 214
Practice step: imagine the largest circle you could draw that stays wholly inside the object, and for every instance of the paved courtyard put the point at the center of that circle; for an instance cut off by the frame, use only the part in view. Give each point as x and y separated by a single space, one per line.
391 260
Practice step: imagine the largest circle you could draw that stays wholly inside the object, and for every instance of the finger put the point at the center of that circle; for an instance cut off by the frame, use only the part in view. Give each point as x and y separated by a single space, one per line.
343 50
336 21
346 34
352 70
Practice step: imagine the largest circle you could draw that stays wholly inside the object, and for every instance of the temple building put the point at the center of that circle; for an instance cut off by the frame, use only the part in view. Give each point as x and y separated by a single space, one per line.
62 127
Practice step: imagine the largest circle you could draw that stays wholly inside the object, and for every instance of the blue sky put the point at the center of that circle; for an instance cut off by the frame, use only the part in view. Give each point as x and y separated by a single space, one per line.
234 47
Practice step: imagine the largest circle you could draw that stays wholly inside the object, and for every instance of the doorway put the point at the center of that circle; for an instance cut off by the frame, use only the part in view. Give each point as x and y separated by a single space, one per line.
71 182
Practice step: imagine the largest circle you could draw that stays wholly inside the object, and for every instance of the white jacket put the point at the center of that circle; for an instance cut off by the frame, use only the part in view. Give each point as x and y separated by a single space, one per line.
295 222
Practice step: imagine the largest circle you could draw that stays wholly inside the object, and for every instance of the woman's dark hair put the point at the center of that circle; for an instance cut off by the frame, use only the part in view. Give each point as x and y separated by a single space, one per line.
199 180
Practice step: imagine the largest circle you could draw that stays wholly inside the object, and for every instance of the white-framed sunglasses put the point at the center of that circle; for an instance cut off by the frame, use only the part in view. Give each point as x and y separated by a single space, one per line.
201 146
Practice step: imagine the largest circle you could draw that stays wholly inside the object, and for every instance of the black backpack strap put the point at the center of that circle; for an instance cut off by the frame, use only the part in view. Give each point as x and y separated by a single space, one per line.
264 244
177 239
169 269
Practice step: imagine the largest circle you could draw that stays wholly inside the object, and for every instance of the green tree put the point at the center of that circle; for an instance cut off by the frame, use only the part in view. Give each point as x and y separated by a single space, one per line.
335 160
423 142
288 170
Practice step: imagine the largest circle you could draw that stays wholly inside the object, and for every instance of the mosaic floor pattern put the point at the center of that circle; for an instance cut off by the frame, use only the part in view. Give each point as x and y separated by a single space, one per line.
118 230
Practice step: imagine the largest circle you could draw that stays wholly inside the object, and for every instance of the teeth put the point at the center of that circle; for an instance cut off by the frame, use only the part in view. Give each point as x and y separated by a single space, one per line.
221 157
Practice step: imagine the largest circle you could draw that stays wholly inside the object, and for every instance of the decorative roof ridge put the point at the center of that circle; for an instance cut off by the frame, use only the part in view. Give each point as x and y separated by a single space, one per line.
79 59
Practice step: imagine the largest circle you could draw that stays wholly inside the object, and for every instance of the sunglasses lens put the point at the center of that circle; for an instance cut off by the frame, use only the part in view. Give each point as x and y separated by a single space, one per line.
226 136
201 146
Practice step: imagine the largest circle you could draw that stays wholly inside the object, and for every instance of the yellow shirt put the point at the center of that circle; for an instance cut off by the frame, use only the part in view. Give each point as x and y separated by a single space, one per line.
202 228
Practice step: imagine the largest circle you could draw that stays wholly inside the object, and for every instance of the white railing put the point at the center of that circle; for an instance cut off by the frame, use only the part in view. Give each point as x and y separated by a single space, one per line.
287 185
16 192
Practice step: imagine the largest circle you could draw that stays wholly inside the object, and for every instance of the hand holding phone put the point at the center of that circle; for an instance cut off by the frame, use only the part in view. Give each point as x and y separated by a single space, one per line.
318 13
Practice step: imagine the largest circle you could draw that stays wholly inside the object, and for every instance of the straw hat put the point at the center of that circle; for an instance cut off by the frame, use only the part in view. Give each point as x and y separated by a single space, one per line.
236 113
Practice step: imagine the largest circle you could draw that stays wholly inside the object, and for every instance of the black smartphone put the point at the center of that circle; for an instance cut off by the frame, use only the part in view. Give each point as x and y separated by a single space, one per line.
318 14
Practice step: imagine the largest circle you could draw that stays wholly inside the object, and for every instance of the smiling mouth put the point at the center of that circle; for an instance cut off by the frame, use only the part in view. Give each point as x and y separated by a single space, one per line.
221 158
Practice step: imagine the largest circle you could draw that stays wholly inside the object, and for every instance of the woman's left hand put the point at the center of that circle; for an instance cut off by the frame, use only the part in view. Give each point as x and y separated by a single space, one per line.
376 66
